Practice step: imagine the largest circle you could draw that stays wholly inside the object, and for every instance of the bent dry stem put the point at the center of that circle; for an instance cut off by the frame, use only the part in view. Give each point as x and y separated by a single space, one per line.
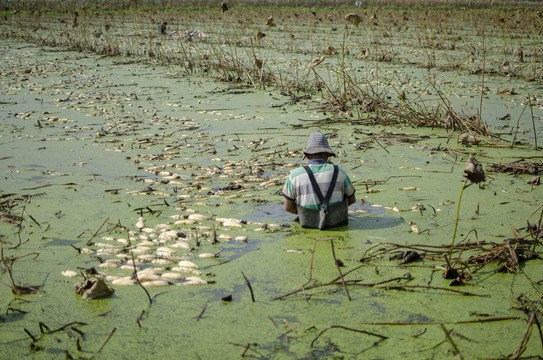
311 268
449 256
382 337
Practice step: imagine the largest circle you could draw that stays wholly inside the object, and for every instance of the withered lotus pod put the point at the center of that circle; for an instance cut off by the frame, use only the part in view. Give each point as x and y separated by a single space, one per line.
474 171
316 61
353 18
93 288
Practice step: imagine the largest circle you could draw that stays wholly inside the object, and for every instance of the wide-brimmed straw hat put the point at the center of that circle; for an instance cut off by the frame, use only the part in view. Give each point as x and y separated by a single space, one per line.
318 143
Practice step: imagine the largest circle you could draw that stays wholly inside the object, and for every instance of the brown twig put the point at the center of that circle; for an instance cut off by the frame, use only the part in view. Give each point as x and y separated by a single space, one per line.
518 121
448 336
8 263
525 338
105 343
339 270
335 283
392 287
43 326
77 330
29 334
383 337
533 122
202 312
311 264
250 287
287 324
247 347
485 320
539 329
134 265
65 326
101 226
140 317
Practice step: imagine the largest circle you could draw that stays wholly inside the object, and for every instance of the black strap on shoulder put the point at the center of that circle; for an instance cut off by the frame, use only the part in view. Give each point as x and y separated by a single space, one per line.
332 185
316 188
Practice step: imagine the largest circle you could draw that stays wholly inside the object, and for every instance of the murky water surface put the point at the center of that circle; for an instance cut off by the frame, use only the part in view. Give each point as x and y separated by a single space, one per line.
88 145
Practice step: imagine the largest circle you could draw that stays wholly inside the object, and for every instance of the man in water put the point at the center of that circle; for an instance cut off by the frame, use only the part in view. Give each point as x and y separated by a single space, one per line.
319 192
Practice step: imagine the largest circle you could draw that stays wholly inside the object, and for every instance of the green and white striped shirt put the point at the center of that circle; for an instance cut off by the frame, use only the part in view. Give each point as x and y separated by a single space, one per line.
298 186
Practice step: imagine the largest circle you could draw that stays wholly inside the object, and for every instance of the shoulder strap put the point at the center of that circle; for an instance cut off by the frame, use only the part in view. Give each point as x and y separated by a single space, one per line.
332 185
316 188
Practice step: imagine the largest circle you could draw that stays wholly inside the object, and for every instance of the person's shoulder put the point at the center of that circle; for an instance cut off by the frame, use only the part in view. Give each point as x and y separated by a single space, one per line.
298 171
341 170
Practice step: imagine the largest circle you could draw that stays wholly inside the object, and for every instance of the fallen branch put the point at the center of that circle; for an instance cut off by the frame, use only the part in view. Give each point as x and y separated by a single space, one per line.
501 318
348 282
432 288
383 337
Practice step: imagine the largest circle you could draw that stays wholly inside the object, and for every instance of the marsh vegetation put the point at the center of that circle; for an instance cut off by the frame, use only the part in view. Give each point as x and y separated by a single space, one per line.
357 66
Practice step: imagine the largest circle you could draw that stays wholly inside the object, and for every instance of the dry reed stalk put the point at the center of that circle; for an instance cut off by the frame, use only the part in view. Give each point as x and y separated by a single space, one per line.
249 286
480 115
342 99
135 272
525 338
382 337
449 339
533 122
105 343
433 323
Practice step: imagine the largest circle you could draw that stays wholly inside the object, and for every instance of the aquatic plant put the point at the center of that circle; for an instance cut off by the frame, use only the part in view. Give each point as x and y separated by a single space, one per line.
475 174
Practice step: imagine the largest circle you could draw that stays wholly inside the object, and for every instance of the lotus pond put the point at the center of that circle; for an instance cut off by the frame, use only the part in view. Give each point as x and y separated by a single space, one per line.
157 165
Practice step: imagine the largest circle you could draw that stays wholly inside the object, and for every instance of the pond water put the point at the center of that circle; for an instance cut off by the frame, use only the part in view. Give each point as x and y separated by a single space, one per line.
90 144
